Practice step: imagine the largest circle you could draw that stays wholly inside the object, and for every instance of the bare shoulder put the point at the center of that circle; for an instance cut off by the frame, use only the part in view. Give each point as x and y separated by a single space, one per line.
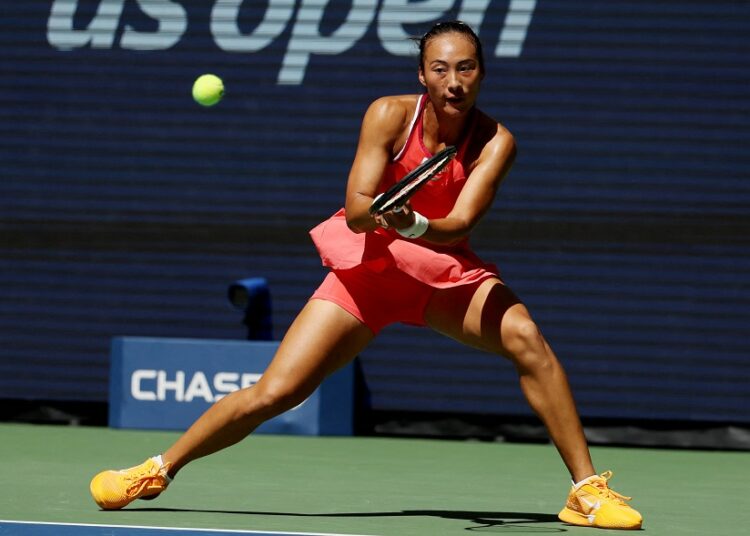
392 110
492 141
494 134
389 118
395 104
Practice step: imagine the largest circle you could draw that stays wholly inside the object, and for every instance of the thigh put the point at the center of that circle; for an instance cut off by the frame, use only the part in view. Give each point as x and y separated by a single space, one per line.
323 338
478 315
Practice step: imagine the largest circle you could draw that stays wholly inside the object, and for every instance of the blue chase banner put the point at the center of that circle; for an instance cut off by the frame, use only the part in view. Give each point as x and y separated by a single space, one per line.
160 383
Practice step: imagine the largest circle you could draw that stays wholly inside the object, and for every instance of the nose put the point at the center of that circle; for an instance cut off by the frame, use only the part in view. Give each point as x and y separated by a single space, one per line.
454 84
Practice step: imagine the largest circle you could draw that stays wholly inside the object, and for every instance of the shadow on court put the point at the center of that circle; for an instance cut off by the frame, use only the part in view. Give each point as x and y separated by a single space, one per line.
479 521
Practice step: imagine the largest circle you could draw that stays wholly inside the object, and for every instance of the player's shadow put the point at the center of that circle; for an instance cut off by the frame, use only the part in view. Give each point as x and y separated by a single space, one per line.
527 522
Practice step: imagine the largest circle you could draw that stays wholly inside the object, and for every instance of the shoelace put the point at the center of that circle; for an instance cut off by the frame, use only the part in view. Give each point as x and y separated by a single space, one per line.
604 487
145 477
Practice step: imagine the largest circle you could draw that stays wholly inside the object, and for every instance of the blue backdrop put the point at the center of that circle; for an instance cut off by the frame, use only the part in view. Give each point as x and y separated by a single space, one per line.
127 209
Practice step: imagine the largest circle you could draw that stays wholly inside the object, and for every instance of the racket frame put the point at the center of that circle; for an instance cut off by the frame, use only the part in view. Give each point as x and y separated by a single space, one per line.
397 195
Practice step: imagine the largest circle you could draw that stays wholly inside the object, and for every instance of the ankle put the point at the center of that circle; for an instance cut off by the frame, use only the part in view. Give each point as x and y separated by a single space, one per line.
167 466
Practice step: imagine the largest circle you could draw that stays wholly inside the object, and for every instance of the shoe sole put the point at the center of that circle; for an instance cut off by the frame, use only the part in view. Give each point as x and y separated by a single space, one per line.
572 517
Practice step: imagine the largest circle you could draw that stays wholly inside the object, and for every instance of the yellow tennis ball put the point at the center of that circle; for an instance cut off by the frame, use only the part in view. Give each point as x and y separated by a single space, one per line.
208 89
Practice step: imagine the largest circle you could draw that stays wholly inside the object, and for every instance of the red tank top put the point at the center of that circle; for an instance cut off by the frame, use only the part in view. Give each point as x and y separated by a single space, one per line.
436 198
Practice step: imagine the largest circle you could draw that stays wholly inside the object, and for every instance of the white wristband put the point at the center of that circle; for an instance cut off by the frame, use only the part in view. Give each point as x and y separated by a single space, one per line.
416 229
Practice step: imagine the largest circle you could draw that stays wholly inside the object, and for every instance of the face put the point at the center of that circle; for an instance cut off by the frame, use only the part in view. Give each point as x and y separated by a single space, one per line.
451 72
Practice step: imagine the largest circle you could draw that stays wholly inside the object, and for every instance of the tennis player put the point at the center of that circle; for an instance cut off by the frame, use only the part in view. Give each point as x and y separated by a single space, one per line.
413 266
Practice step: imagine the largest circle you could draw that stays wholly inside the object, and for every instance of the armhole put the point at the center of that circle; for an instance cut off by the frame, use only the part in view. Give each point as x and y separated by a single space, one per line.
417 115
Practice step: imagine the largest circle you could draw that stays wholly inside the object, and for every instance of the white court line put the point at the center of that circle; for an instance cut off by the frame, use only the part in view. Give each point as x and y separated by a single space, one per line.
145 527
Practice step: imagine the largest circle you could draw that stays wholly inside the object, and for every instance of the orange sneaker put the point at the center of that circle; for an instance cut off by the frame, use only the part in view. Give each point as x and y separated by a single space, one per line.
592 504
112 490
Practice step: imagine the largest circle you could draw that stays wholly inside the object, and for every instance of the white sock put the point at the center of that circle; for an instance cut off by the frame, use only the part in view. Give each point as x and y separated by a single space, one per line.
158 460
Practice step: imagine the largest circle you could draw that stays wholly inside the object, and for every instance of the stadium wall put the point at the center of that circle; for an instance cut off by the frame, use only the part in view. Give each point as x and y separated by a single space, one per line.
127 209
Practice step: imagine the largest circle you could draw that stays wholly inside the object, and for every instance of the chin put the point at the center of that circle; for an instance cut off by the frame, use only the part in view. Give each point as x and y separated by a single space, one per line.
457 108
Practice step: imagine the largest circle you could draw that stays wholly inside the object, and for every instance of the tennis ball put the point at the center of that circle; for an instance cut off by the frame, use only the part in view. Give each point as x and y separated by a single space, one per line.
208 89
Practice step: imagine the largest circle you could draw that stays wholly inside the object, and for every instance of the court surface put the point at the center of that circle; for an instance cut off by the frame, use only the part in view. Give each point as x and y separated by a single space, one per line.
284 485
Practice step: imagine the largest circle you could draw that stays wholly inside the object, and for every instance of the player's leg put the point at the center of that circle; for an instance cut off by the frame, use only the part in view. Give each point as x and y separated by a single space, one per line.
322 338
490 317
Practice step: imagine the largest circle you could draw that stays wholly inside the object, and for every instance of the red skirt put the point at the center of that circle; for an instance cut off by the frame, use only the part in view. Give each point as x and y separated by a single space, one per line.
438 266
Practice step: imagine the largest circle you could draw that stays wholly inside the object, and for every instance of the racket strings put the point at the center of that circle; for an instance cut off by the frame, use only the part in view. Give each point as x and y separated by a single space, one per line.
422 177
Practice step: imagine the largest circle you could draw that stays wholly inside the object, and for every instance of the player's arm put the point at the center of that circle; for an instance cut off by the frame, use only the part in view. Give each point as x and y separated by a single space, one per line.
477 195
382 127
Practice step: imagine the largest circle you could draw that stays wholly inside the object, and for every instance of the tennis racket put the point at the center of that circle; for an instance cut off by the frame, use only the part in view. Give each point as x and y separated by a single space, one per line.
397 195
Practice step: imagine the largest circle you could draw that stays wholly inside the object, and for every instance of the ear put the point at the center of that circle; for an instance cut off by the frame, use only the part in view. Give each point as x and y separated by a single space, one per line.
421 77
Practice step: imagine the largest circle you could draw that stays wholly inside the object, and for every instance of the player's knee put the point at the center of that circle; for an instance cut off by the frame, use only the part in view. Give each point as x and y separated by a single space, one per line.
274 398
523 336
527 347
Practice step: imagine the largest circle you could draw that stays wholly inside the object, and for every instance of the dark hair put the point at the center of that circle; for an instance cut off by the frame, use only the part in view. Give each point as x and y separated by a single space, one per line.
448 27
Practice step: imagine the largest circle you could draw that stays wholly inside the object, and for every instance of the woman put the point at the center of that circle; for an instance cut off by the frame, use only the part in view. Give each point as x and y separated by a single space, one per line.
414 266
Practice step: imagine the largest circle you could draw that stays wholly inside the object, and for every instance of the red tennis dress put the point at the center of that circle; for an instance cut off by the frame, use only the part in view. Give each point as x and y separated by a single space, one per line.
384 251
